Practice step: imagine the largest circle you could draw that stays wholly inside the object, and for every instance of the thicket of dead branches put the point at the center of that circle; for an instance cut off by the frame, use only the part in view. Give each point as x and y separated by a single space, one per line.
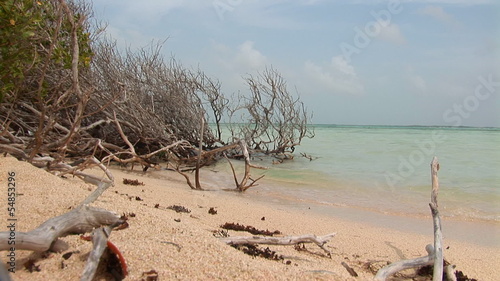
69 92
271 119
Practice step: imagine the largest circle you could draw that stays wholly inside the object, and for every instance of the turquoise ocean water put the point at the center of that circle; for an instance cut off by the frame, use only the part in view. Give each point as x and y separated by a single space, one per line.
387 169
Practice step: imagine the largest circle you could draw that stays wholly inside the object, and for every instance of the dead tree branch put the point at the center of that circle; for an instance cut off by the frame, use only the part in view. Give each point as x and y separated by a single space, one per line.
395 267
100 243
43 238
276 121
435 252
200 151
243 185
320 241
438 236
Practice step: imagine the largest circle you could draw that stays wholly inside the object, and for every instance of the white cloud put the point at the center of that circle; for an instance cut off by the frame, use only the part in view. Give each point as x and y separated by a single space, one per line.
338 76
418 83
439 14
250 58
415 81
230 64
391 33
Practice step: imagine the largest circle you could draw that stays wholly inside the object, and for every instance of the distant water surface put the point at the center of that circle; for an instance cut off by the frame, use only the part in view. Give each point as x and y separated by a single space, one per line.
387 169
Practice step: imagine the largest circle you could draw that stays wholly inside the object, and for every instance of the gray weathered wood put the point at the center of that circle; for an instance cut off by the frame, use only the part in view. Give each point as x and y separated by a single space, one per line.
438 236
287 240
4 274
395 267
100 240
80 220
435 252
101 187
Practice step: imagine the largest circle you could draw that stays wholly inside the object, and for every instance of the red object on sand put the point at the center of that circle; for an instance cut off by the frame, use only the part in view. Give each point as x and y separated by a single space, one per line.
112 247
117 252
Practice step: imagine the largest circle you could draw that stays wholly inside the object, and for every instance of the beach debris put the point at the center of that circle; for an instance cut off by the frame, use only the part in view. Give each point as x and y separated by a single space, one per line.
435 252
374 266
301 247
116 265
44 237
462 277
132 182
104 252
179 247
31 267
220 233
212 211
125 216
243 185
307 156
179 209
151 275
320 241
349 269
69 254
137 198
254 251
248 228
124 225
177 220
263 219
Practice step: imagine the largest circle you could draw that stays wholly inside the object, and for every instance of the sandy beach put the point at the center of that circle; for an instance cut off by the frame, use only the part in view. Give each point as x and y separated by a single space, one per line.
182 246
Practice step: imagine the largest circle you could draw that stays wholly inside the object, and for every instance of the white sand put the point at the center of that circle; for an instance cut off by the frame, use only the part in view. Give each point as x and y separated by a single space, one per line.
202 256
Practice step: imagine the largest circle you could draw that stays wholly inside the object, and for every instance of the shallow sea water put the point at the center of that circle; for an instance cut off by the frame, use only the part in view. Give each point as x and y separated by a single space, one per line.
387 170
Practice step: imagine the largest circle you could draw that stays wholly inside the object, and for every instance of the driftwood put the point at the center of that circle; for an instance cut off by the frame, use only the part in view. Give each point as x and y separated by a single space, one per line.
45 237
101 187
450 272
349 269
100 241
243 184
240 185
133 156
395 267
197 185
82 219
200 149
437 275
4 274
287 240
435 252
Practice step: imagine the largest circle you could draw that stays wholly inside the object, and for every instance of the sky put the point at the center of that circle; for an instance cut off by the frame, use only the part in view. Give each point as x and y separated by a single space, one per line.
360 62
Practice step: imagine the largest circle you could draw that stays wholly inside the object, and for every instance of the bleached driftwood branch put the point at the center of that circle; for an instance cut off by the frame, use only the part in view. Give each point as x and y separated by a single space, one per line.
435 252
101 187
244 185
395 267
100 243
99 240
44 237
4 274
437 275
287 240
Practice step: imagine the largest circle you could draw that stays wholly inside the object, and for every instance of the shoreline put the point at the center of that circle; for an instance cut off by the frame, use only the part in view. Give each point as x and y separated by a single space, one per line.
201 256
476 231
471 230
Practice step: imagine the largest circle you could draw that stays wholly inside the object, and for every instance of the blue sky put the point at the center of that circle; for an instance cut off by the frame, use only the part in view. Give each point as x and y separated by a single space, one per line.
419 62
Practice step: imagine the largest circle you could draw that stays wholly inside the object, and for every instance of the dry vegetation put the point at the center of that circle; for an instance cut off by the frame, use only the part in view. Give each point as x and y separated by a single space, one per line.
68 92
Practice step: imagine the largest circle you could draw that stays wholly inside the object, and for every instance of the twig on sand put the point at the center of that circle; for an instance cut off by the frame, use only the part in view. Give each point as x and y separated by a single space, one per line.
320 241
